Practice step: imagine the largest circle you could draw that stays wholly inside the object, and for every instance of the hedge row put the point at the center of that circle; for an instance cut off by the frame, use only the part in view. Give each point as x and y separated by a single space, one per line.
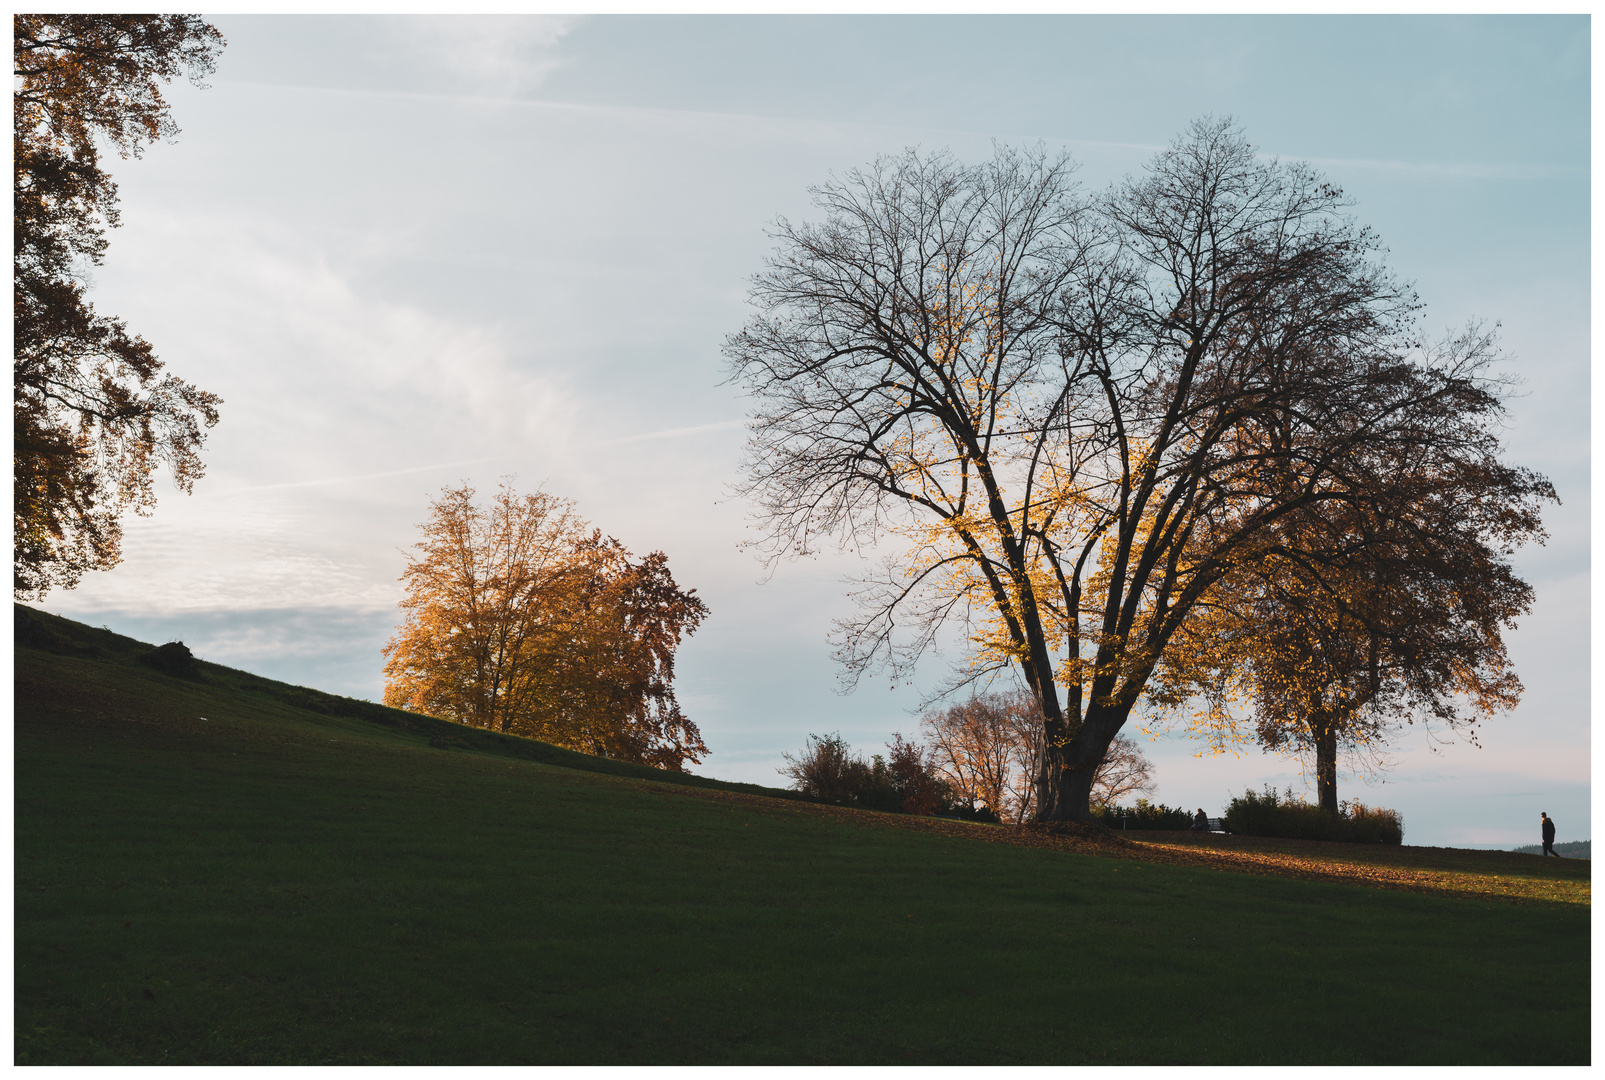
1145 815
1290 817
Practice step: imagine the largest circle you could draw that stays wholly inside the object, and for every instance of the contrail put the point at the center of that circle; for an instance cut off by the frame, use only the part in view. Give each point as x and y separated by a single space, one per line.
349 479
671 432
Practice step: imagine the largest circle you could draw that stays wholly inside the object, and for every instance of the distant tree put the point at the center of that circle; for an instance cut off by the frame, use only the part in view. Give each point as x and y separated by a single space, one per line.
1024 722
1125 770
911 768
1080 415
973 744
93 415
520 618
989 751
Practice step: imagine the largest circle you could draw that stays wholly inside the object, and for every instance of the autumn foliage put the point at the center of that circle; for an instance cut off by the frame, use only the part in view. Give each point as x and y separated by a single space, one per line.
521 618
93 413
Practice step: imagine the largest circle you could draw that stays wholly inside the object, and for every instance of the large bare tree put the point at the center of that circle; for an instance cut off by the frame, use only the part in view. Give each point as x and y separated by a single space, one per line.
1078 414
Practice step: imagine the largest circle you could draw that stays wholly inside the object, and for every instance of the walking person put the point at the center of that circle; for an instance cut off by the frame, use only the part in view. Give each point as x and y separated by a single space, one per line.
1549 834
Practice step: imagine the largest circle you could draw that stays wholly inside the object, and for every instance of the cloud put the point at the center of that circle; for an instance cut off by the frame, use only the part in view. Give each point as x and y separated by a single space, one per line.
465 55
320 372
343 409
489 55
355 479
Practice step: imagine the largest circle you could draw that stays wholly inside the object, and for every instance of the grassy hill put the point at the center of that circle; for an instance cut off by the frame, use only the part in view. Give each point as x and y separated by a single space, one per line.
224 869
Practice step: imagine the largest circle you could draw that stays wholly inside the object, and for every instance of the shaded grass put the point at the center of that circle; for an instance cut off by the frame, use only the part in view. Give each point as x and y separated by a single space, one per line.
273 885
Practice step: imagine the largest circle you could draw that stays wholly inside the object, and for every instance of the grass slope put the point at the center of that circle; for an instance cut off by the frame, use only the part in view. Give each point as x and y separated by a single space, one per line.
280 885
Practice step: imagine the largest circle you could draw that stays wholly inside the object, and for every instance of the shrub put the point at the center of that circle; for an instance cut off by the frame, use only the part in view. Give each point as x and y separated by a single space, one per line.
174 658
1288 816
1373 824
869 784
823 769
913 777
1145 815
828 770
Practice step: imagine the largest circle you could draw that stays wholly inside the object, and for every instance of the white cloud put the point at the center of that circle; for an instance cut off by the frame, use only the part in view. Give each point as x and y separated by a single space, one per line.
318 376
465 55
490 55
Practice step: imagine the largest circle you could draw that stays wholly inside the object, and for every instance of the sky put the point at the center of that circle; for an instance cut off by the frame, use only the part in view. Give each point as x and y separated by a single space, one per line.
415 251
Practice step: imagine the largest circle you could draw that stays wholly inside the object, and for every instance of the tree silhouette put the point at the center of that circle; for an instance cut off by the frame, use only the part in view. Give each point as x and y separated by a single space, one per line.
1079 415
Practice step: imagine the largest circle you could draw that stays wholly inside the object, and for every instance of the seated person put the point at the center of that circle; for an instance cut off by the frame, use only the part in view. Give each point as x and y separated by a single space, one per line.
1200 822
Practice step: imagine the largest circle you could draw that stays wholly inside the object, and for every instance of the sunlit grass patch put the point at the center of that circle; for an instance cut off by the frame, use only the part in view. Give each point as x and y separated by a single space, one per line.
1454 871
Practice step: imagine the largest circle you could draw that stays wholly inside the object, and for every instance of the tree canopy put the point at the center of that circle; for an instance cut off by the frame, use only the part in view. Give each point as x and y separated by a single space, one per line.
93 413
519 617
1081 414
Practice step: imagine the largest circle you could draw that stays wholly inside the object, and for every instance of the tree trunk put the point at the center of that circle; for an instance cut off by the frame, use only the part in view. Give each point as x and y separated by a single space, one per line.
1064 792
1326 764
1065 786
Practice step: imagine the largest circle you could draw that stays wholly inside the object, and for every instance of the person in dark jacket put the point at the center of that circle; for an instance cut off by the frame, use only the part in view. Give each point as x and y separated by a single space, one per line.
1549 834
1200 821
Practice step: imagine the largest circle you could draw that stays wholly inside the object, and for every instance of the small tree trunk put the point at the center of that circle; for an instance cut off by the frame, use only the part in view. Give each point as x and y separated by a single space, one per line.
1326 764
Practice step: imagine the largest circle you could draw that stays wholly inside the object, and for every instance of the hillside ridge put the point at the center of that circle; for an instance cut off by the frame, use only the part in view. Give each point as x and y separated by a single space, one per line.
42 630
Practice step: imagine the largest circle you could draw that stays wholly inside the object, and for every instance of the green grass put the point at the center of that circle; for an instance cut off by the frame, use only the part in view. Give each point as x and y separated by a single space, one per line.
277 885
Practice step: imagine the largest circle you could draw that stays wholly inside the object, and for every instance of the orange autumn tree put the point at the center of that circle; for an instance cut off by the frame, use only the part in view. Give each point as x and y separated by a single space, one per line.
520 618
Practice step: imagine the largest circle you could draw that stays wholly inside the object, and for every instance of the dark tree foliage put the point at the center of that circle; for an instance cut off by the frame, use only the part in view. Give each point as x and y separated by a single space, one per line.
904 779
93 413
1382 609
1269 814
655 613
